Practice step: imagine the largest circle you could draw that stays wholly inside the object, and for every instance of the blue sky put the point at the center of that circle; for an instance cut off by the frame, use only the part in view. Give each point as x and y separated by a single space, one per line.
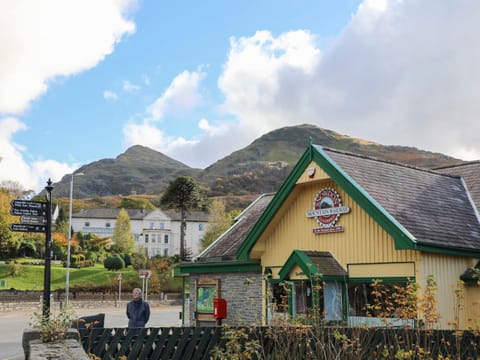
84 80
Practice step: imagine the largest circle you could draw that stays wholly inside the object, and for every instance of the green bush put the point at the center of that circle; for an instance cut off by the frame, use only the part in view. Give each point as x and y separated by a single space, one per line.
139 261
127 258
15 269
114 263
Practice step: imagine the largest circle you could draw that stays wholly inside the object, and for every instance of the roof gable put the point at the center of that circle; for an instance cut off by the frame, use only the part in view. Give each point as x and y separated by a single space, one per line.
320 264
225 247
389 192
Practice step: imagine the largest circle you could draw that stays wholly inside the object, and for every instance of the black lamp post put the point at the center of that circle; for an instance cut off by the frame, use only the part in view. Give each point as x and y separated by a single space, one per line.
48 253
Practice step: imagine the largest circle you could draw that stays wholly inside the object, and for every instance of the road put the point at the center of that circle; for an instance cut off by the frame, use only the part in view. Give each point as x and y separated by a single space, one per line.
12 325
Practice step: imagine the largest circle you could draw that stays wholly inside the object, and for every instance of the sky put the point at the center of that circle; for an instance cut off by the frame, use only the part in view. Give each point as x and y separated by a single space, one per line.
84 80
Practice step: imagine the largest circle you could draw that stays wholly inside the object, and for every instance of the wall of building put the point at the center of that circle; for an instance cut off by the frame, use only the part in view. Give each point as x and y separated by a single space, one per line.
470 318
362 241
446 271
156 224
243 293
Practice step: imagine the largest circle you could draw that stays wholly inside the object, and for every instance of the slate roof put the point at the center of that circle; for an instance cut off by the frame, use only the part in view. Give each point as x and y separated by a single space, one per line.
137 214
470 171
225 247
326 264
434 208
199 216
110 213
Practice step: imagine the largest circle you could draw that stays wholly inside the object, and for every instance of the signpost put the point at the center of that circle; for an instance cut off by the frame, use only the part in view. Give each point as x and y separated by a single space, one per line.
36 216
145 275
28 228
34 220
26 204
27 212
119 279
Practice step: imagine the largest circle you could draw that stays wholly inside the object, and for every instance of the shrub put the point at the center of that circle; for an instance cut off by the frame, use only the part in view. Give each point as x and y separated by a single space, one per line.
114 263
127 258
15 269
139 261
52 328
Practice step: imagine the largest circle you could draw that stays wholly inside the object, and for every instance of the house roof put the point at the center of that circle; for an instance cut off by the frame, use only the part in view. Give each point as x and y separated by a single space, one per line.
110 213
137 214
225 247
470 171
434 208
422 210
313 263
199 216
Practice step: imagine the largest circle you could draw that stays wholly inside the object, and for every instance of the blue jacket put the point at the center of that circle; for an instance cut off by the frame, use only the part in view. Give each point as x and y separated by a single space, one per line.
138 313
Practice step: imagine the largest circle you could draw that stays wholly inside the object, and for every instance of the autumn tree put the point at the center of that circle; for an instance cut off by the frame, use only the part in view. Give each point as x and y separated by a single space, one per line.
122 234
9 241
219 221
183 195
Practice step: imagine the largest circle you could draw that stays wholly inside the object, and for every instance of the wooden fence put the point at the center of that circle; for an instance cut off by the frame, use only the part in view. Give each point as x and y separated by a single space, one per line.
151 343
280 343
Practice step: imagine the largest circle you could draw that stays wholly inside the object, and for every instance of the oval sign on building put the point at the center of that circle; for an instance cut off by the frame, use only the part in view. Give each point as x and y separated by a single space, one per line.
327 208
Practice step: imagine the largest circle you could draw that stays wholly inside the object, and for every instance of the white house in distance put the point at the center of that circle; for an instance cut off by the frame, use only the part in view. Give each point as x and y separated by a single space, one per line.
158 231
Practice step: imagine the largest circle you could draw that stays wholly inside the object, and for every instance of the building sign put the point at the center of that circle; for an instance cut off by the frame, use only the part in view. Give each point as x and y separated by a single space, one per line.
327 208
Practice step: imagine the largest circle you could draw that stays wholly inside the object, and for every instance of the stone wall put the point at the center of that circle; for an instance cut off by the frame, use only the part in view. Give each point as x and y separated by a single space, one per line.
68 349
17 300
243 293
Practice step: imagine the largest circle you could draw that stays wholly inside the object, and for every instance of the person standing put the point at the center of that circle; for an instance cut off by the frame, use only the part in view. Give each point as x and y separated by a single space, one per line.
138 311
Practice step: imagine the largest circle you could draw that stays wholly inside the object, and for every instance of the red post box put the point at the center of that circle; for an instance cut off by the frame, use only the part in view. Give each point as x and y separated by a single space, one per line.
219 308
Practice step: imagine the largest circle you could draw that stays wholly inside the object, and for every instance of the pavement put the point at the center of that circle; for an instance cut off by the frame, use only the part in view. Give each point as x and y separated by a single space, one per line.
13 323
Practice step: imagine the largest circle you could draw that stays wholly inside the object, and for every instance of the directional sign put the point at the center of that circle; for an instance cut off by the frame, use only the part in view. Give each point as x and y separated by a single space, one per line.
144 274
34 220
25 204
28 228
27 212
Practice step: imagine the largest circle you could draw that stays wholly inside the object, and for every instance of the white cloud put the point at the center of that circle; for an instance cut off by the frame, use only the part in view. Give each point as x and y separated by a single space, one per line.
182 95
13 166
129 87
42 40
401 72
110 95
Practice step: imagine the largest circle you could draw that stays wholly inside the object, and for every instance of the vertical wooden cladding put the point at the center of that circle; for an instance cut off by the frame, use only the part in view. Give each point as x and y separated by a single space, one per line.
446 270
362 241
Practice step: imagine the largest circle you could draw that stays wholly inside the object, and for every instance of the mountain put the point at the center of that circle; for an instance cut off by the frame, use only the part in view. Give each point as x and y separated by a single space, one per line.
258 168
139 170
263 165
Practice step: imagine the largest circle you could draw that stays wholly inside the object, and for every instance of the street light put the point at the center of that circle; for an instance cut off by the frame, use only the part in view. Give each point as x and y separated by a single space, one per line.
67 280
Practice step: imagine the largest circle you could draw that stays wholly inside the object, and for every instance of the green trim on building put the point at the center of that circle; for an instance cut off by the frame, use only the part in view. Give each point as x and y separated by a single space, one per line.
402 238
303 261
243 252
185 269
396 279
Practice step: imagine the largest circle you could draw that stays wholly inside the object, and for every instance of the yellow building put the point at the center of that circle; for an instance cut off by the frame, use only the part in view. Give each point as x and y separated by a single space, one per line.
339 222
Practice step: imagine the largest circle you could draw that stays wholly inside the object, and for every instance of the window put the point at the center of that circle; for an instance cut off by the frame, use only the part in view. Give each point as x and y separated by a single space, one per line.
201 227
162 226
165 252
152 226
87 224
165 239
107 224
146 238
154 238
361 295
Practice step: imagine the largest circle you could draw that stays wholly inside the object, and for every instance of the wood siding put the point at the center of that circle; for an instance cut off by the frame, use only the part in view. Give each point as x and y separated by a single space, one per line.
446 271
362 241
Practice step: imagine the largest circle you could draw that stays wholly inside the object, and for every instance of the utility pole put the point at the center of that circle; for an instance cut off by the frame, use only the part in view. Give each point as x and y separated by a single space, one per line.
48 253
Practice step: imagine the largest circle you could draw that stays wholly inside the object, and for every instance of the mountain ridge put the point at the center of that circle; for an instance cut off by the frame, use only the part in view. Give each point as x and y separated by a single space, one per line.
260 167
